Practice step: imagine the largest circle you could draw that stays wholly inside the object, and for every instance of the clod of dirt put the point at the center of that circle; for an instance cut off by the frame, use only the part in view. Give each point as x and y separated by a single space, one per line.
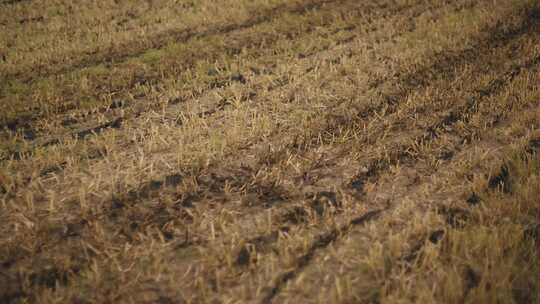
52 169
363 177
114 124
212 72
324 200
116 104
473 200
73 229
117 204
238 78
69 122
534 16
11 290
49 277
445 155
186 201
501 181
154 185
296 215
436 236
532 233
455 217
269 193
29 134
533 146
471 278
244 257
173 180
248 253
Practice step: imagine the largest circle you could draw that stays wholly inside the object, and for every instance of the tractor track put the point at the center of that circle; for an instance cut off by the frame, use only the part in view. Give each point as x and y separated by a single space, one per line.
120 121
450 129
144 189
135 49
327 238
25 122
181 37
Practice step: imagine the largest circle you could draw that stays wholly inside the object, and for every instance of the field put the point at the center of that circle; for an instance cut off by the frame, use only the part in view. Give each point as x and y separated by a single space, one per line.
270 151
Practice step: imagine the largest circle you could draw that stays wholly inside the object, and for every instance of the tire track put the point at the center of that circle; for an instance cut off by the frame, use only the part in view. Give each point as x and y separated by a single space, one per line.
25 122
12 2
374 110
116 122
322 241
134 49
460 113
315 251
464 111
335 123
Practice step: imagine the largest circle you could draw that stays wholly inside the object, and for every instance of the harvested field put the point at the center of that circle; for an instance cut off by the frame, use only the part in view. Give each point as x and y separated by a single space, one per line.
306 151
